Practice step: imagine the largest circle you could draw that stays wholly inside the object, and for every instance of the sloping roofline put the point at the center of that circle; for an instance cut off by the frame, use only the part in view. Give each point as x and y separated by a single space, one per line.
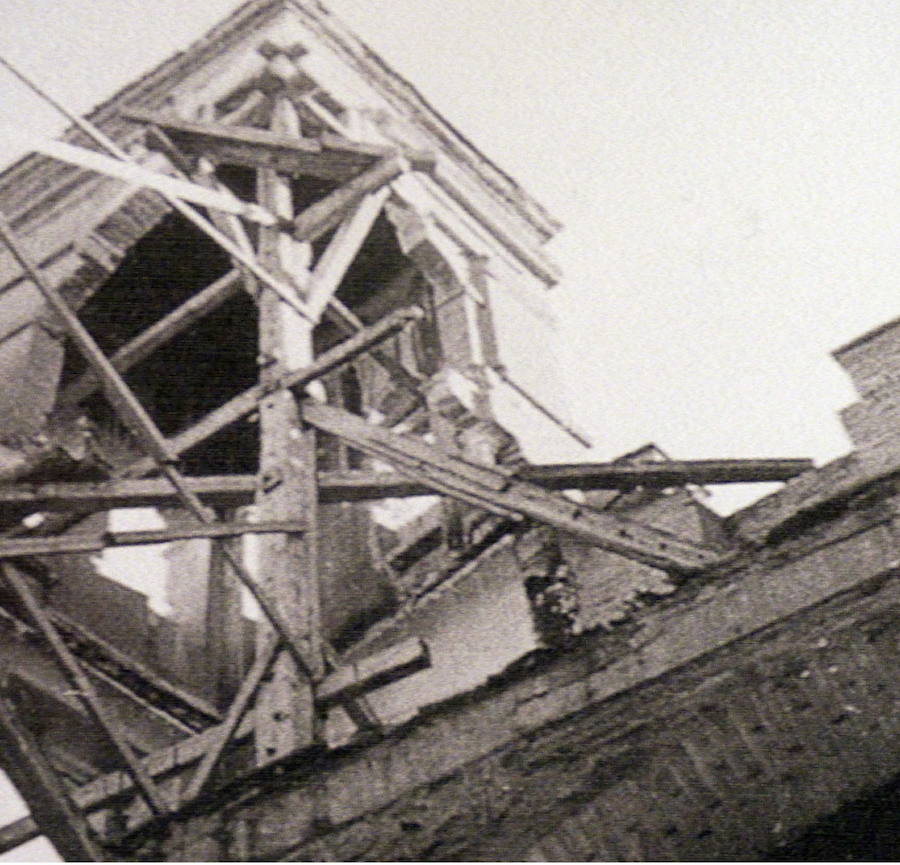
17 196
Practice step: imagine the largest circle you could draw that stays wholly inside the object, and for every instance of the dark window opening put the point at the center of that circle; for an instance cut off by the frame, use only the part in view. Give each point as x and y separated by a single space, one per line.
197 370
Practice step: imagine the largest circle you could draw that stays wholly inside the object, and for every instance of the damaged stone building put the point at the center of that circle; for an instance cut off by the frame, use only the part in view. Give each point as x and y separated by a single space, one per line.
267 295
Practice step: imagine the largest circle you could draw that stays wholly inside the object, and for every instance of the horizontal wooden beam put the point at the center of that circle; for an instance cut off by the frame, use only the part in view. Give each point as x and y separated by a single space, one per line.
374 671
329 157
354 486
84 543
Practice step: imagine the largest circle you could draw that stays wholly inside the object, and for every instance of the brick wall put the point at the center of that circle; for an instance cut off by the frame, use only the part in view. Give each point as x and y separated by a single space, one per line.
718 722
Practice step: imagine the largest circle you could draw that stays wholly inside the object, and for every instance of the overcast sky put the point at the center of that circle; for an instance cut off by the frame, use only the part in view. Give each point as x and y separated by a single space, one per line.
727 172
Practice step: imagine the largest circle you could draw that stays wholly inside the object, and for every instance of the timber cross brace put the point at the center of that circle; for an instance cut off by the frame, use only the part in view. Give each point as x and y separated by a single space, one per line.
300 215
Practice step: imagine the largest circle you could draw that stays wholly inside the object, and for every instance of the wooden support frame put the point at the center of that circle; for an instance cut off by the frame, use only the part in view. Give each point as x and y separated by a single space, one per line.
328 157
84 688
132 413
500 494
345 682
286 719
358 485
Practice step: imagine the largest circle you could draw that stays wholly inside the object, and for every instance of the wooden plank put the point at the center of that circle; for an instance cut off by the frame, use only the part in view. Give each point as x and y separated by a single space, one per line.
341 250
17 833
265 658
329 158
325 214
45 794
356 486
500 494
227 653
85 543
137 175
374 671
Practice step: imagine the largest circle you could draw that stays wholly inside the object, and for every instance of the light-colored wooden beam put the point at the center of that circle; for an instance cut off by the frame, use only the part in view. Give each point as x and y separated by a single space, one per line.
340 252
285 714
84 543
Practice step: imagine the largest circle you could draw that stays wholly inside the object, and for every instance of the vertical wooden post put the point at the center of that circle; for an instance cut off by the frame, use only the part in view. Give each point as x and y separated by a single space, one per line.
285 713
225 648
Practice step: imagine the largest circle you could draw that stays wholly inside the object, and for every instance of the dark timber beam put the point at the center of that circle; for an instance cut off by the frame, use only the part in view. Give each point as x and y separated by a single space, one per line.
17 833
356 486
44 792
501 494
325 214
329 157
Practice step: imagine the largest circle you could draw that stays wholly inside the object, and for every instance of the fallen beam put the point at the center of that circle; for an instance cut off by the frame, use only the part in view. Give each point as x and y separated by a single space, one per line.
501 494
355 486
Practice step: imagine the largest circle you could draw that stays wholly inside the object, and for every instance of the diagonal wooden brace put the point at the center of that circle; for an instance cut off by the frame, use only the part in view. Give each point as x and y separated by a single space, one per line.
502 494
84 688
44 793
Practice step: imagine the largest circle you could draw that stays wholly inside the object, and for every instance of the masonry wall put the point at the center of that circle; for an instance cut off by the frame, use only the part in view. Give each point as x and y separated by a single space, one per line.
718 722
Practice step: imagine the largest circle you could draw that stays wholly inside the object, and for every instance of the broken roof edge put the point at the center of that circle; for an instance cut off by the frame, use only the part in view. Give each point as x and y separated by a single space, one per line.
391 86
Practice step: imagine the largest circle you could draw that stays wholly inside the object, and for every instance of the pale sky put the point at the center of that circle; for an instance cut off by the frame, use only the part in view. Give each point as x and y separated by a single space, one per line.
727 173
